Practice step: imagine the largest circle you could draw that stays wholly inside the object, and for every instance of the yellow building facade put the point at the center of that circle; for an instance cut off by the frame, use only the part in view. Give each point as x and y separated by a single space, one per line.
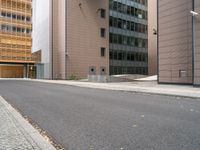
16 59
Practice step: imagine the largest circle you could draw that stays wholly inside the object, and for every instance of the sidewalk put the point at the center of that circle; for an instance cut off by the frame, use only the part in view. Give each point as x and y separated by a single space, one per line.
16 133
149 87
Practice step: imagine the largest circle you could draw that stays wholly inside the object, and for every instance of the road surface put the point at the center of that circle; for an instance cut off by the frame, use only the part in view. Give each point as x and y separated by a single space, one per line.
93 119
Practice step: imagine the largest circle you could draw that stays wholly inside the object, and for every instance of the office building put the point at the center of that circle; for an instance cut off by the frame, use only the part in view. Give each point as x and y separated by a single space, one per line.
128 37
16 59
152 37
99 37
179 42
72 36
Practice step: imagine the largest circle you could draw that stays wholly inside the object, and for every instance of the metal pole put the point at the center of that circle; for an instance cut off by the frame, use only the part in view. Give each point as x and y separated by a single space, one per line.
27 68
193 43
52 60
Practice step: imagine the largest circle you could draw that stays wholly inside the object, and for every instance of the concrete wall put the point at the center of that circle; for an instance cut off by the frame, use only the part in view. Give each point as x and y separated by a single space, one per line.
73 36
83 37
59 39
175 41
152 37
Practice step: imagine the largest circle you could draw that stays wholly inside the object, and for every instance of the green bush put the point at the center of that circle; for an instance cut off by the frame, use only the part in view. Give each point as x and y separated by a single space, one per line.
72 77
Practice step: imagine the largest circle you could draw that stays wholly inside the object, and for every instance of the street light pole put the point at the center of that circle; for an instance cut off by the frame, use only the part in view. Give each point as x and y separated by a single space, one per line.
194 14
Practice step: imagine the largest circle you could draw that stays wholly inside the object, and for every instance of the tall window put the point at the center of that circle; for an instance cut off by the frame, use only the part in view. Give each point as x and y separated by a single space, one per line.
103 52
103 13
103 32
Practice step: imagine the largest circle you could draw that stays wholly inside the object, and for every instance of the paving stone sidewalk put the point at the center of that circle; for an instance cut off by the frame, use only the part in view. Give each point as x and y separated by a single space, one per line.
16 133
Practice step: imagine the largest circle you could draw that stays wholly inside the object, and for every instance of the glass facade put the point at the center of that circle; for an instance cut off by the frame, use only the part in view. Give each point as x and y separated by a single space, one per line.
128 37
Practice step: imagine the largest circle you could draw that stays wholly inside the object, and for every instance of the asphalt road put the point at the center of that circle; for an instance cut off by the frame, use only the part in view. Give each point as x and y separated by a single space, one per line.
92 119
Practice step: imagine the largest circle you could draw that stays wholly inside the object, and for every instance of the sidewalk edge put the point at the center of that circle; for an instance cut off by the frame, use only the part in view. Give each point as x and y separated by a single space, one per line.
42 143
133 90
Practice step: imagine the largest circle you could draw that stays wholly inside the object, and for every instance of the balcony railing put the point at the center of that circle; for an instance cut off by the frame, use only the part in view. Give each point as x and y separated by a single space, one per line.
17 10
25 35
21 1
15 22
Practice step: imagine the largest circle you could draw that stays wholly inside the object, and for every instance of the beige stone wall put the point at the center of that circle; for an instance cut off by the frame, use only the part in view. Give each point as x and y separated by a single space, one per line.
59 39
76 37
152 38
73 28
175 41
83 37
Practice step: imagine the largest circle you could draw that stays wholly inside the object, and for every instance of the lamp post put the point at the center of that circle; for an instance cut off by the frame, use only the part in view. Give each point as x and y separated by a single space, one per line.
194 14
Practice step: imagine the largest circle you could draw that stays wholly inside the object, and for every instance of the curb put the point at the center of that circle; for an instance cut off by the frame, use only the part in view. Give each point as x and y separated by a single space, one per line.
116 88
133 89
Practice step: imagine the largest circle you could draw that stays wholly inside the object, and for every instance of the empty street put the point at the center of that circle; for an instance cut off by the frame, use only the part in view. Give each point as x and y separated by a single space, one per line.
92 119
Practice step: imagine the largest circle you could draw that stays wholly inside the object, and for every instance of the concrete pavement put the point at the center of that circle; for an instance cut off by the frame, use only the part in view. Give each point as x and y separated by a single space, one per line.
16 133
137 86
